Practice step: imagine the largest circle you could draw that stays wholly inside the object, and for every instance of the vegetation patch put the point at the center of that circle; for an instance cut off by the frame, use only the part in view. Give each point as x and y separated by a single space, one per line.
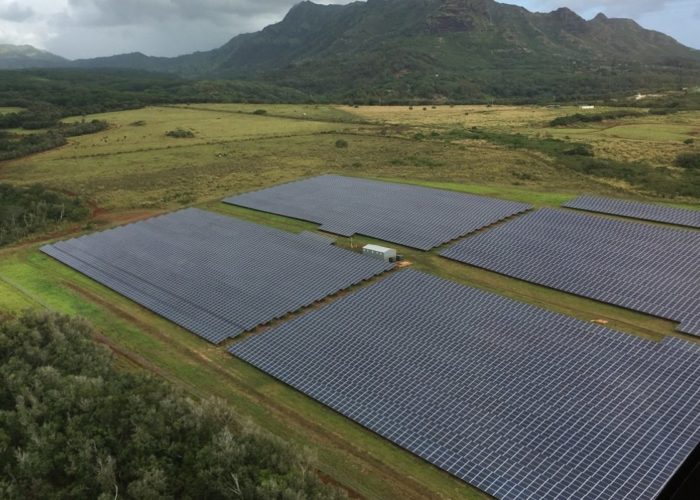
564 121
579 157
27 210
180 133
75 427
19 145
688 161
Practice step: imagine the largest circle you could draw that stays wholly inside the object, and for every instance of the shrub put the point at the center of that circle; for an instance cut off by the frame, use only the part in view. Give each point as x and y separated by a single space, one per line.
688 161
341 143
180 134
260 112
689 141
580 150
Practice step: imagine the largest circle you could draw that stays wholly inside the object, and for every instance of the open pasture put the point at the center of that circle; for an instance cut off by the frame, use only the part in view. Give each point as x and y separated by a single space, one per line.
233 153
7 110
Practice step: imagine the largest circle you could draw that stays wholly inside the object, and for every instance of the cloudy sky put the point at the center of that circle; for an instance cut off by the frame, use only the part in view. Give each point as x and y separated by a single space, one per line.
89 28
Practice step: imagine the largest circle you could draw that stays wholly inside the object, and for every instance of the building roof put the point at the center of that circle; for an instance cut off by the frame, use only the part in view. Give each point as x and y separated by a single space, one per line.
377 248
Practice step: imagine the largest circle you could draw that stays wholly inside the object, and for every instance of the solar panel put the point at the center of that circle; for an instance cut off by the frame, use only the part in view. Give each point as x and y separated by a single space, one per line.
215 275
413 216
651 269
637 210
519 401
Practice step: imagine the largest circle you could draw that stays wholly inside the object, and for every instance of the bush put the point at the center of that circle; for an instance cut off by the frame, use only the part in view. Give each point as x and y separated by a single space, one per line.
180 134
260 112
82 128
341 143
689 141
593 118
27 144
688 161
580 150
73 426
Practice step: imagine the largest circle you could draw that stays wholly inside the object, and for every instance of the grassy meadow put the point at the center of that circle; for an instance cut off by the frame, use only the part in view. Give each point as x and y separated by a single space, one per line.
133 170
8 109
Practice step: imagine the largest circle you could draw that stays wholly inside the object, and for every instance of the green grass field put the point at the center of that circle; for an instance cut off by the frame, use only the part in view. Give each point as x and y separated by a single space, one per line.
8 110
133 171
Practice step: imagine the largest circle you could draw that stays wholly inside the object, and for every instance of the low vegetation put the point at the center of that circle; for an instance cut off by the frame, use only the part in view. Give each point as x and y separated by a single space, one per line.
13 145
565 121
73 426
28 210
689 161
180 133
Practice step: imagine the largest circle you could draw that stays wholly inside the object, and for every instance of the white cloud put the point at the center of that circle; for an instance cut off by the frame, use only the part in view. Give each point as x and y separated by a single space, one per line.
14 12
89 28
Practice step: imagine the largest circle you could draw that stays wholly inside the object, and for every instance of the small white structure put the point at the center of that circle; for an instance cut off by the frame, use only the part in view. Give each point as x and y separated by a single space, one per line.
588 106
387 254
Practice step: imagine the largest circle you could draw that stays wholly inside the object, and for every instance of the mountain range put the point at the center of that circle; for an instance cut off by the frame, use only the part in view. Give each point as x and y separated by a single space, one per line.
431 49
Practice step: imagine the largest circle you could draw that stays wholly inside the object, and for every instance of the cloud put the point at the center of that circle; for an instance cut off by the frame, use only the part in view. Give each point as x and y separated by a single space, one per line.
90 28
613 8
157 27
139 12
14 12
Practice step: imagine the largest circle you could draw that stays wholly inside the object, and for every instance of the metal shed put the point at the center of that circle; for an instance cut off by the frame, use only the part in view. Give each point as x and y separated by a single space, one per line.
387 254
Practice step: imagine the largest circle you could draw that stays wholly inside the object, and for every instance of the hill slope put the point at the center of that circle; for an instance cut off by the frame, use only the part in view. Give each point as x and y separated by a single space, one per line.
391 50
26 56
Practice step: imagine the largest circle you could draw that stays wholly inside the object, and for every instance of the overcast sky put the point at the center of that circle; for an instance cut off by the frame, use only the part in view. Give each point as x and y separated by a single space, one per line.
89 28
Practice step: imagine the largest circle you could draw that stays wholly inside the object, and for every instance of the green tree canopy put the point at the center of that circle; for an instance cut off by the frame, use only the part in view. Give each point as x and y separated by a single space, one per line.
73 426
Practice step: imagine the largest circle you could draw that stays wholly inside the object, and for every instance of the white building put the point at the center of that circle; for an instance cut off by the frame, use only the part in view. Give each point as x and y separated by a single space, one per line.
387 254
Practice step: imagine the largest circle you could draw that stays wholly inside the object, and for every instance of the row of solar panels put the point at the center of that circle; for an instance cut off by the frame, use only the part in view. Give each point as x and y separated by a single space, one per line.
637 210
516 400
413 216
646 268
215 275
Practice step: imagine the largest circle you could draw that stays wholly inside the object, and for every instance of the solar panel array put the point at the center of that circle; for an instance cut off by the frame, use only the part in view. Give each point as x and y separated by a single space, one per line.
215 275
637 210
516 400
413 216
646 268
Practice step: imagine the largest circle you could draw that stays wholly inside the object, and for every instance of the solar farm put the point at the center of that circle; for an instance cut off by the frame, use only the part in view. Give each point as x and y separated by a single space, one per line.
515 399
650 269
412 216
214 275
637 210
519 401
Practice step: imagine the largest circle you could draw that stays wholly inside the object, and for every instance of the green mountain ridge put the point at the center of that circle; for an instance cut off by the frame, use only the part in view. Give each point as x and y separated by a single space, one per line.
26 56
396 50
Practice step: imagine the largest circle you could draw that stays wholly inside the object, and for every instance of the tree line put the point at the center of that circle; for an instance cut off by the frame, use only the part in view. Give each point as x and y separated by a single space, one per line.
28 210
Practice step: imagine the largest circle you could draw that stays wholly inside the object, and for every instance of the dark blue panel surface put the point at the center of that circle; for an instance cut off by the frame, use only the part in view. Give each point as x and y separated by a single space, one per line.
637 210
215 275
516 400
639 266
413 216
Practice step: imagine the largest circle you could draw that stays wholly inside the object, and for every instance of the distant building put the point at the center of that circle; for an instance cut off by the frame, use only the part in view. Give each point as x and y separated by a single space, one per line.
387 254
587 107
